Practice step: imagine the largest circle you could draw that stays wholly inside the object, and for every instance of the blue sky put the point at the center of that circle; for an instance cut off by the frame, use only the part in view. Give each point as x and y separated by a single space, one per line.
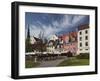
51 24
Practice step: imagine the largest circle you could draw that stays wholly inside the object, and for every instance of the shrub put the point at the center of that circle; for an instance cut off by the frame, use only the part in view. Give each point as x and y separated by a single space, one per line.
69 54
83 56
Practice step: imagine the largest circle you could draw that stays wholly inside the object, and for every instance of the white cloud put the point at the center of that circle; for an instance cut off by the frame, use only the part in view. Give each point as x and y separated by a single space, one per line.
55 23
77 19
66 21
48 30
56 26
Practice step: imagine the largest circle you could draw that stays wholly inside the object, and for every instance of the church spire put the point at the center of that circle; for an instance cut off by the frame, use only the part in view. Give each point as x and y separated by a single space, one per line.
28 32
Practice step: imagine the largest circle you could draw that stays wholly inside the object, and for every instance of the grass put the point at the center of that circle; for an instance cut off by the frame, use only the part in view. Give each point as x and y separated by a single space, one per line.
31 64
72 61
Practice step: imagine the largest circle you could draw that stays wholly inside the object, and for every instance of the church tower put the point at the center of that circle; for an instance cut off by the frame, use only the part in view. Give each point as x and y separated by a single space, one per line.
28 32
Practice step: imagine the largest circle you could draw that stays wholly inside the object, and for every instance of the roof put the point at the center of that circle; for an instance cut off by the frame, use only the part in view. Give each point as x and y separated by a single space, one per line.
53 37
82 27
37 39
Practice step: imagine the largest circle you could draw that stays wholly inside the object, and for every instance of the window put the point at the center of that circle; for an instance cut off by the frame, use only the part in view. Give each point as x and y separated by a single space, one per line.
86 49
86 43
86 31
80 49
86 37
80 44
80 33
80 38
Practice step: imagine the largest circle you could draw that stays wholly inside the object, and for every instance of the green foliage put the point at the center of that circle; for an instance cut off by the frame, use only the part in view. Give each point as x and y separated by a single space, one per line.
72 61
28 46
83 56
31 64
39 47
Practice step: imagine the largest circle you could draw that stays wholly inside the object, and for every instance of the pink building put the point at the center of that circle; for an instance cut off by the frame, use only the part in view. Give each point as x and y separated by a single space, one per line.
70 42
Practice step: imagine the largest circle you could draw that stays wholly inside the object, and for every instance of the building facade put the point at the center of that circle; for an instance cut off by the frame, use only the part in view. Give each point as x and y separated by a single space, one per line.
51 44
32 40
83 39
70 42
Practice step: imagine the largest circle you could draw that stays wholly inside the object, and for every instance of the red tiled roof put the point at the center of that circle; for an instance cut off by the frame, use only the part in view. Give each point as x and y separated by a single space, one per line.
82 27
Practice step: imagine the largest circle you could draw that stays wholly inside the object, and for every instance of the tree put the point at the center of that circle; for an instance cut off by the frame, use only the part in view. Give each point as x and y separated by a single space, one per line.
28 46
43 41
28 32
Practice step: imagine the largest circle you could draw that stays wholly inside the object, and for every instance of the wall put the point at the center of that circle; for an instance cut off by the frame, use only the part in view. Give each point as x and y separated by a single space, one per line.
5 40
82 49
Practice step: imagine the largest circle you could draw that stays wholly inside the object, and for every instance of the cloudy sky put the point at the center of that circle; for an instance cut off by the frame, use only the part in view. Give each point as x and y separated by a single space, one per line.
51 24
